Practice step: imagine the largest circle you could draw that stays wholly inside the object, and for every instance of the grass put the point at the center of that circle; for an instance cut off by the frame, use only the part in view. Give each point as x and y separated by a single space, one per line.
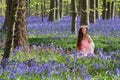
106 43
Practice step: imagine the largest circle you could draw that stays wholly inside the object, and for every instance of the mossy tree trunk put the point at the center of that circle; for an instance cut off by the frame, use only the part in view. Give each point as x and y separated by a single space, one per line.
12 21
20 33
17 30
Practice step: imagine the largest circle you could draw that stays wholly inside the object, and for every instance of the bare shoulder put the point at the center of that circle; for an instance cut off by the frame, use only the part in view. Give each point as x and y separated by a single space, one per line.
90 39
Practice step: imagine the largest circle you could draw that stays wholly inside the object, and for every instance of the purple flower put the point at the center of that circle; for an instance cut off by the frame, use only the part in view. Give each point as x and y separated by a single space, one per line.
116 71
87 77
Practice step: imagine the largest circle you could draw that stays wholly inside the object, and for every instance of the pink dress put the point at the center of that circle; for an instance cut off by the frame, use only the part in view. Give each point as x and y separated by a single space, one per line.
86 47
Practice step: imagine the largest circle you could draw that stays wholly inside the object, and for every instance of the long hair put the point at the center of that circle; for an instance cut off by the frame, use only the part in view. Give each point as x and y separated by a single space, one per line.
80 36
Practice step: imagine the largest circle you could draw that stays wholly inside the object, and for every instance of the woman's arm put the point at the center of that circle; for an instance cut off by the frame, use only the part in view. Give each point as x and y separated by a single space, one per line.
90 39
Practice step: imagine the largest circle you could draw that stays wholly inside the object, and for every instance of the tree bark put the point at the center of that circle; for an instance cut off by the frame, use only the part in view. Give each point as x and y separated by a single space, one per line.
20 33
108 10
97 10
28 8
12 21
61 8
92 16
104 12
52 11
84 12
74 17
7 14
79 7
37 11
1 8
115 4
67 8
112 9
57 11
42 9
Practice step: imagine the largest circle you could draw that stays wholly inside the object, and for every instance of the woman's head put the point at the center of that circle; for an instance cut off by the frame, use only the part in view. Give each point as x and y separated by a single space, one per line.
84 29
82 32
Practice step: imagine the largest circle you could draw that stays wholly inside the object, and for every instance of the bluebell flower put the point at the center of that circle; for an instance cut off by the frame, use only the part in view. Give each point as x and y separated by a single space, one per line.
117 72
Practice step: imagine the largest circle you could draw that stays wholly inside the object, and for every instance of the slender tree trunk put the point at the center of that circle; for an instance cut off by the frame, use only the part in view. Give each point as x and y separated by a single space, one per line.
7 14
84 12
108 10
42 9
21 36
92 15
115 4
28 8
112 9
97 10
52 11
67 8
37 11
1 8
79 7
57 11
74 17
104 13
61 8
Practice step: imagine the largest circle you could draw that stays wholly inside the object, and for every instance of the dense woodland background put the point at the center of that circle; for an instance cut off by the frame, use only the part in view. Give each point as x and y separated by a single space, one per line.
26 24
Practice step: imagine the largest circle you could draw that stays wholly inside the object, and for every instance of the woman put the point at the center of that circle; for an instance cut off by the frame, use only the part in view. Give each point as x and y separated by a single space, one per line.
85 43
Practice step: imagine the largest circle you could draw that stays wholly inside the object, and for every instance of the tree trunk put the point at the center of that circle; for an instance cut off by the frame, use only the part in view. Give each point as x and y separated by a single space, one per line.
108 10
104 13
7 14
57 11
12 21
44 3
37 11
84 12
92 15
74 17
52 11
1 8
28 8
115 4
61 8
67 7
79 7
112 9
20 34
97 10
42 9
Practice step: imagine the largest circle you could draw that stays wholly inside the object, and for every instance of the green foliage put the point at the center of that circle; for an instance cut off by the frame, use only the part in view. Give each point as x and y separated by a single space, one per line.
97 67
108 44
